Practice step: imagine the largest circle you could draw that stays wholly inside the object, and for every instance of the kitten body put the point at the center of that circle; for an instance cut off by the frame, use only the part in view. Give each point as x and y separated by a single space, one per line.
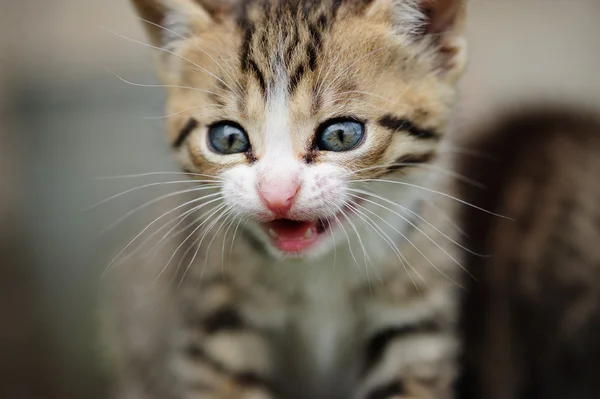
532 319
321 129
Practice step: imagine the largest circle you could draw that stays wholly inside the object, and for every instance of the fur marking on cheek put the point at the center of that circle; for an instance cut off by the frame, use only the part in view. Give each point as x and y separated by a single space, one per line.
189 127
409 160
397 124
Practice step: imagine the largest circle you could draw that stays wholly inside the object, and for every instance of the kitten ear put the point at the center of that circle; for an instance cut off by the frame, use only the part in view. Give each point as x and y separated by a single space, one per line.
167 21
436 23
443 24
443 18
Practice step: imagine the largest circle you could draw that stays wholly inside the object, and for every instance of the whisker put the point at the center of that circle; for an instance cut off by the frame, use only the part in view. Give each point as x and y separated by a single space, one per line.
234 234
175 54
212 225
434 192
347 239
360 243
422 232
227 215
157 219
164 86
89 208
214 210
163 239
334 243
391 244
163 174
154 201
199 48
245 220
233 218
184 111
413 225
434 168
169 234
410 242
470 152
447 218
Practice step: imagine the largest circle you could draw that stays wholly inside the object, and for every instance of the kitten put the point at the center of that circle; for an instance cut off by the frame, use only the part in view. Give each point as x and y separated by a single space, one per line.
315 131
532 320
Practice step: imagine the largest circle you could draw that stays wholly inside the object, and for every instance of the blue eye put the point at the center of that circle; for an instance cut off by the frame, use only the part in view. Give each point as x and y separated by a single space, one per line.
340 135
228 138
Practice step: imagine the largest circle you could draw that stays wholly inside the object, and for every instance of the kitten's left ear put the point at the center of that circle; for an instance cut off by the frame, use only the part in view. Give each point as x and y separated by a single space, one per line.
443 25
444 18
439 23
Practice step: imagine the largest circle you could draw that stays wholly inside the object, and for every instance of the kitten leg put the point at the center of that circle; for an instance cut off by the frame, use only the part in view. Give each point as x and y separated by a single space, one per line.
218 353
415 361
411 369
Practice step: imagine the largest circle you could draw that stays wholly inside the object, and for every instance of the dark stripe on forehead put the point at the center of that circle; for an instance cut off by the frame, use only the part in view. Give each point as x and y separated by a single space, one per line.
248 64
315 44
256 72
295 78
397 124
189 127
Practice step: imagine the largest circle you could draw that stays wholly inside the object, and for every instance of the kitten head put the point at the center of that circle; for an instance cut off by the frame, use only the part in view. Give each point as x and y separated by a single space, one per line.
287 103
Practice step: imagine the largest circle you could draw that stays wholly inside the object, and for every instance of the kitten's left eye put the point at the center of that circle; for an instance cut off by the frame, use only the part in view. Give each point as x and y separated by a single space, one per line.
228 138
340 135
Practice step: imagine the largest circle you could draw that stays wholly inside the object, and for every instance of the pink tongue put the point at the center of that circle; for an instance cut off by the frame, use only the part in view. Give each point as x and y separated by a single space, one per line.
289 229
292 236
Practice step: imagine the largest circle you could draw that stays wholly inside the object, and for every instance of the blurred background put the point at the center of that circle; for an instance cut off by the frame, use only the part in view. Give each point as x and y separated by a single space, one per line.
65 120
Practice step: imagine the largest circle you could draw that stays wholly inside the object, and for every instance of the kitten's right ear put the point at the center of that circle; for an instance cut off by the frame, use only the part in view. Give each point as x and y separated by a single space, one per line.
168 21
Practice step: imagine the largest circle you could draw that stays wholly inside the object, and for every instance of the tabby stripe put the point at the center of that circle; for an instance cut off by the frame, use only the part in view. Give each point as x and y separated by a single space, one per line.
312 56
396 124
246 44
189 127
216 98
390 390
335 7
246 61
292 42
243 378
315 46
378 344
258 75
223 319
410 160
295 79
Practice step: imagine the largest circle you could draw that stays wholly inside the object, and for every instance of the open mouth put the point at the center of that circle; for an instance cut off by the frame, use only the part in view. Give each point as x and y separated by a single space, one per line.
295 236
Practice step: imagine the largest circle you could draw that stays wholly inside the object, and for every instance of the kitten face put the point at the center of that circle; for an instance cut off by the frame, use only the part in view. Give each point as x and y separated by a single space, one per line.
287 103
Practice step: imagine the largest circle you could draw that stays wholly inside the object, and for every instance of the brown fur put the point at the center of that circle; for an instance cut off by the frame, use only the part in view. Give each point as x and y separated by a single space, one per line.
373 71
248 332
533 319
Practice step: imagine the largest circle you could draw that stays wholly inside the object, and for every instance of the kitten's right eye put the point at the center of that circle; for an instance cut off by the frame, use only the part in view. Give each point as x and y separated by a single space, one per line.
228 138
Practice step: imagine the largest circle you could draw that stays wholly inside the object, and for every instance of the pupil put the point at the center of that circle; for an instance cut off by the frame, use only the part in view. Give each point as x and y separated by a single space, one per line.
340 135
230 140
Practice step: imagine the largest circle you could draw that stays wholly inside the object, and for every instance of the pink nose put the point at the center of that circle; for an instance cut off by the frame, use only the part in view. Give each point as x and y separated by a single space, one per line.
278 197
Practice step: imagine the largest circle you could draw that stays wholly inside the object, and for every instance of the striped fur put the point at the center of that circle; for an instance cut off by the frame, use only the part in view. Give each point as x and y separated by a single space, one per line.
532 319
373 319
